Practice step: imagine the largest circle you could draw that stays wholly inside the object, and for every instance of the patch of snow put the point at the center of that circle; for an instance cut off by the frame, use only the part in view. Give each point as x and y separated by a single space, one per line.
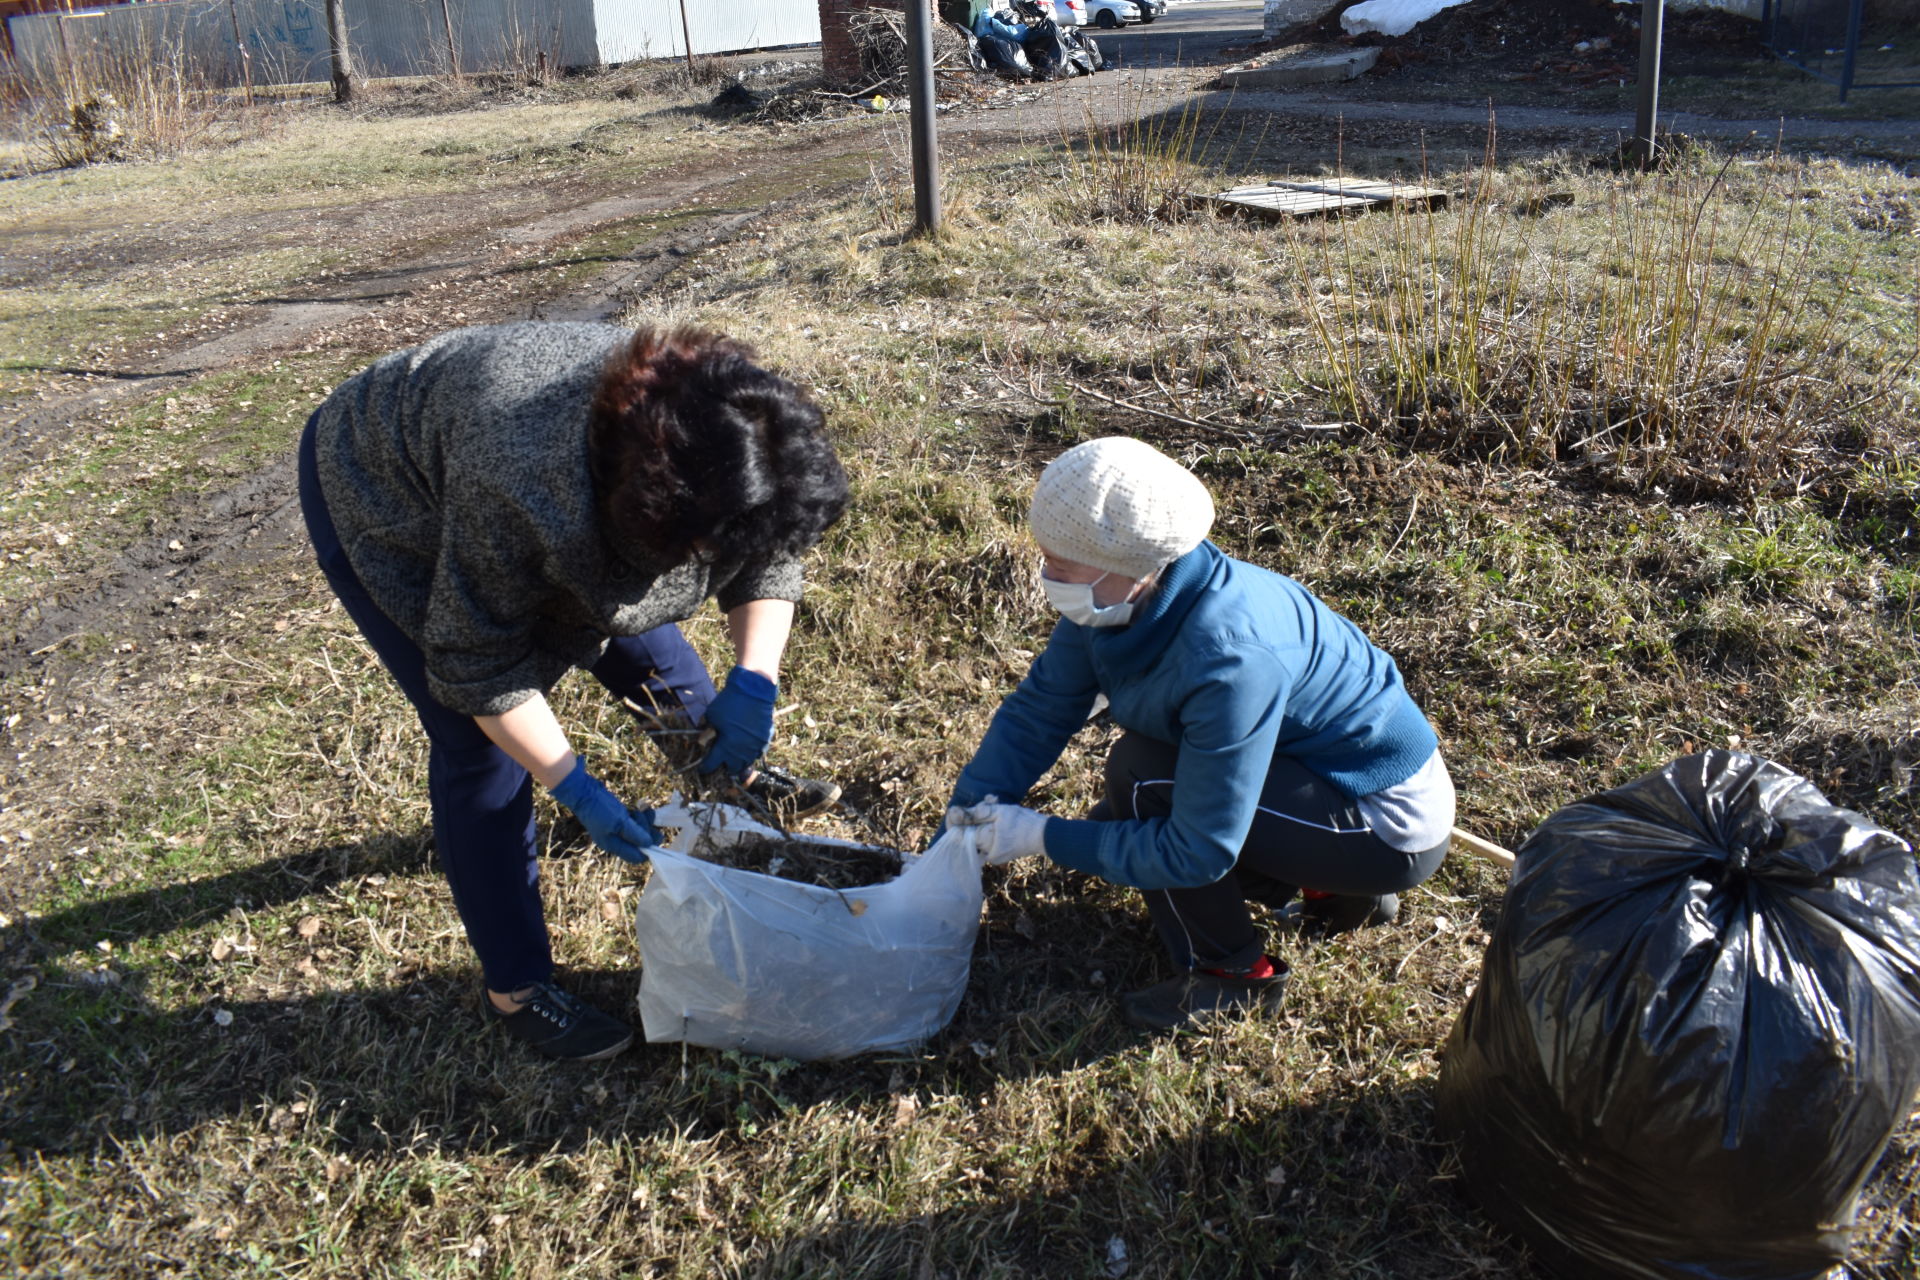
1391 17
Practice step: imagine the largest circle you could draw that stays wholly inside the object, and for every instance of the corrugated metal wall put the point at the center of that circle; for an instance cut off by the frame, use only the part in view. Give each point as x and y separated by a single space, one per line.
634 29
286 40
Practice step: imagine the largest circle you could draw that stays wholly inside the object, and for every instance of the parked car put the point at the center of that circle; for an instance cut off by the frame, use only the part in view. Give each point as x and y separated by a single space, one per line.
1111 13
1151 9
1065 13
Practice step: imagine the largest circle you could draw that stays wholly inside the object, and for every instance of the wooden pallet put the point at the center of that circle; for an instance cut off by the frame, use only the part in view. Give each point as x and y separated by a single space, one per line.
1296 199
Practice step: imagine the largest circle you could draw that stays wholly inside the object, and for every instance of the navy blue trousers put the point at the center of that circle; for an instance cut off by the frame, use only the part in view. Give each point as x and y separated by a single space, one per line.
483 801
1306 834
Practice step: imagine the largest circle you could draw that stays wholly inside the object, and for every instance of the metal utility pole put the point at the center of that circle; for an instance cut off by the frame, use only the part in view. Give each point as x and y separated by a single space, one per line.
921 95
686 39
1652 14
345 83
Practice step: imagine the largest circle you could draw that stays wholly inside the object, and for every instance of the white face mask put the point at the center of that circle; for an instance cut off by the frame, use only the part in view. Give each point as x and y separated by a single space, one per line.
1075 602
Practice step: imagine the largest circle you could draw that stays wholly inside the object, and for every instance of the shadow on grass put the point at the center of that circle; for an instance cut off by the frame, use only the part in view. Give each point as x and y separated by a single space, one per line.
1356 1185
348 1037
113 375
148 913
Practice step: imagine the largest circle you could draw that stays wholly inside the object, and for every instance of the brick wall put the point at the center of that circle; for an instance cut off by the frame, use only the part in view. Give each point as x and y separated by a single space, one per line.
839 59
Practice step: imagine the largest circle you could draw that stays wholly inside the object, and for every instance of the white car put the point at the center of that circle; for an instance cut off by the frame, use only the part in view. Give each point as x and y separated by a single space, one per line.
1067 13
1112 13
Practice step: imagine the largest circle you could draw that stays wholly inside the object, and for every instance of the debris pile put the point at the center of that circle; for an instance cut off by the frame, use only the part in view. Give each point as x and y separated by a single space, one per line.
830 866
881 37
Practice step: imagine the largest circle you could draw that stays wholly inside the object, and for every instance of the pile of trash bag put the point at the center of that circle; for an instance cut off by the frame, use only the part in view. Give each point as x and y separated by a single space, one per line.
1045 50
1697 1027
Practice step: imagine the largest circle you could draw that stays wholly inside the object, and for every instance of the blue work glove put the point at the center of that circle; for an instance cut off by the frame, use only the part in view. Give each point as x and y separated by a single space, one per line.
741 717
625 833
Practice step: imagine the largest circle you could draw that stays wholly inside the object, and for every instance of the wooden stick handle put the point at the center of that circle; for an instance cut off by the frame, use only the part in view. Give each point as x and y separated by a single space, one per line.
1484 848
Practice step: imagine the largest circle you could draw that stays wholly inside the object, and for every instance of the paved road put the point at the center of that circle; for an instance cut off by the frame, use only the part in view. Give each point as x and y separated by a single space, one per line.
1194 33
1166 64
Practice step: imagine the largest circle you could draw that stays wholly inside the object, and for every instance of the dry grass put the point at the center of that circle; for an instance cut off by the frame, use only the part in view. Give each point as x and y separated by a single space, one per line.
252 1044
1676 336
108 105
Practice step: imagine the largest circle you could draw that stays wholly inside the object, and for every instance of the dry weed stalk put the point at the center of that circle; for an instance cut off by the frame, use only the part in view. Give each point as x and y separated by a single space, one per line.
104 104
1706 350
1141 170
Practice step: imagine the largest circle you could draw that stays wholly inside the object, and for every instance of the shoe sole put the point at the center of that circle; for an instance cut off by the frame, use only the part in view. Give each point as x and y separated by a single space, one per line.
1197 1020
825 802
1294 921
599 1055
609 1052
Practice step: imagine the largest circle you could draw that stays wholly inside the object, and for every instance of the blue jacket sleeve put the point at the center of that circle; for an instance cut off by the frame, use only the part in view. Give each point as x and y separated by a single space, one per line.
1034 724
1229 726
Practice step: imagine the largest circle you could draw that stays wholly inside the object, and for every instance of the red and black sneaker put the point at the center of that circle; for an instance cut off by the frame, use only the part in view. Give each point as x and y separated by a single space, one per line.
1200 995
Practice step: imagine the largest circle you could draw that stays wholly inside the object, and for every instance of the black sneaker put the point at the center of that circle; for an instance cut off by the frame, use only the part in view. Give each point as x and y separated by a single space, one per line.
1338 913
790 797
1198 995
563 1026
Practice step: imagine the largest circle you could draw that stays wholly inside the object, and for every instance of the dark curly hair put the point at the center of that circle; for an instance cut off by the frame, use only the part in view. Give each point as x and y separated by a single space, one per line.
690 442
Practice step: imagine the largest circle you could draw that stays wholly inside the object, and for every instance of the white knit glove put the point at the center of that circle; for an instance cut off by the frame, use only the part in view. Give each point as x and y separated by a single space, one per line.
1002 832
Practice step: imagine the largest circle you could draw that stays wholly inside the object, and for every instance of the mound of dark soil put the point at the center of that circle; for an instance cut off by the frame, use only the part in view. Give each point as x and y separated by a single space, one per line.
1529 31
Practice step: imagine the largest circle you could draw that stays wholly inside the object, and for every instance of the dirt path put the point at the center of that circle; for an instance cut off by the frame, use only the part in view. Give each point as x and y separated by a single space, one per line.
431 263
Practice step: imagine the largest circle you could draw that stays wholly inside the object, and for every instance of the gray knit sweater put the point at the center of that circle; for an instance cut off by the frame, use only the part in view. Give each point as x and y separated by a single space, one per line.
456 475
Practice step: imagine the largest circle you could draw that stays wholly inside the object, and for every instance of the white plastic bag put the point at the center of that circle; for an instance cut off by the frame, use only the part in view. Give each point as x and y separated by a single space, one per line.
734 959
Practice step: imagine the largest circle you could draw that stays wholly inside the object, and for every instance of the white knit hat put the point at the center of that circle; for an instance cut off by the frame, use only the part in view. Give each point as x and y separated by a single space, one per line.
1120 505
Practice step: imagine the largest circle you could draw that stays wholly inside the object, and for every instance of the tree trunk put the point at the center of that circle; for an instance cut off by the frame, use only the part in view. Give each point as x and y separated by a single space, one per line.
453 53
345 82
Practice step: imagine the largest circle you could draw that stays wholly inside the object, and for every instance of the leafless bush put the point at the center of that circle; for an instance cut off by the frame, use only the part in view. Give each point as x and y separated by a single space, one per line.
1138 170
1707 345
107 104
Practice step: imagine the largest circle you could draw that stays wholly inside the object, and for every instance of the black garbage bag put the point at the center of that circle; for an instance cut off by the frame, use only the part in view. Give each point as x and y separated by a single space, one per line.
1048 51
1004 57
1055 52
1086 51
1697 1026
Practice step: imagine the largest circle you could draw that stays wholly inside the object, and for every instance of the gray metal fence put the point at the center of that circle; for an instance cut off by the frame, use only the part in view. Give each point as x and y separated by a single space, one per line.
285 41
1833 40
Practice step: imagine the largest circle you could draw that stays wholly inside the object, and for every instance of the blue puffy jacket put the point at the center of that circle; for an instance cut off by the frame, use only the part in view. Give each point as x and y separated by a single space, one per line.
1233 664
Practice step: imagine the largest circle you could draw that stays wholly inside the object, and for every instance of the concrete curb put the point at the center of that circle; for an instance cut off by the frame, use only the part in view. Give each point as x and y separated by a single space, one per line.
1307 68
